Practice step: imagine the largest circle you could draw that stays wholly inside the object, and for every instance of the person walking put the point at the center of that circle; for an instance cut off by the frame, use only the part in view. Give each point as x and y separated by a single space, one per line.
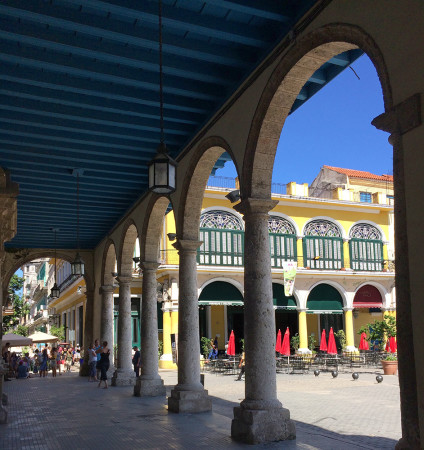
69 358
136 361
242 367
97 348
43 365
104 363
53 361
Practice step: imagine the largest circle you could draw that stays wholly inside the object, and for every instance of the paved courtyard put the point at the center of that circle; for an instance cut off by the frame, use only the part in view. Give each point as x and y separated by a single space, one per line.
69 413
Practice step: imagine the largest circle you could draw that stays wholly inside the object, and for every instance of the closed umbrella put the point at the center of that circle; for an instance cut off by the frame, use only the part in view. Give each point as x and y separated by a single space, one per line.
363 345
278 342
231 349
332 349
323 344
285 347
393 344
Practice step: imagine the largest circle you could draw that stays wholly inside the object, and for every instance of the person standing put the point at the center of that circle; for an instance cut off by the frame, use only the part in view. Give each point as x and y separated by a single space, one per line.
136 361
97 348
92 362
104 364
69 359
43 365
53 361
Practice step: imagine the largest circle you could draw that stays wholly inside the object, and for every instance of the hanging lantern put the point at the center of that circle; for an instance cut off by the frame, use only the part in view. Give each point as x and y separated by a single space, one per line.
55 291
162 168
77 266
162 172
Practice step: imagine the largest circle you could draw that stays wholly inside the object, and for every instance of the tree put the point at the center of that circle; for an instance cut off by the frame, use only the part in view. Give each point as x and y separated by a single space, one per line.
58 332
19 308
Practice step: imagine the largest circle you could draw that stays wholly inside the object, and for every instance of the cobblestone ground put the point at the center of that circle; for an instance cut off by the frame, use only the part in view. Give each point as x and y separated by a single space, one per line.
69 413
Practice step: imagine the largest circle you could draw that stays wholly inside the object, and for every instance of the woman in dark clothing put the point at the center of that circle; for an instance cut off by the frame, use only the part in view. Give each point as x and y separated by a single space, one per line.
104 363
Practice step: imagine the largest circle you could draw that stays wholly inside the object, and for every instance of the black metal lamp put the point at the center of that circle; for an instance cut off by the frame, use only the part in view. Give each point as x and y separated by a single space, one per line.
55 291
162 168
77 265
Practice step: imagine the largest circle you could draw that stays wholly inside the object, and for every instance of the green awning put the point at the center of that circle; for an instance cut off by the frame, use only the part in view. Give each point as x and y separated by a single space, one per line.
221 293
324 299
280 300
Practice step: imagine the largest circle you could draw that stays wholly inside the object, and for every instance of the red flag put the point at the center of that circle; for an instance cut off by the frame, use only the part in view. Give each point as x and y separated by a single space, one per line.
332 349
323 344
363 345
231 349
278 342
285 347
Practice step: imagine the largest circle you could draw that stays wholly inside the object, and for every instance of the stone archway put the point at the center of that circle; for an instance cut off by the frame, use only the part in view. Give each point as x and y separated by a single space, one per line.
294 69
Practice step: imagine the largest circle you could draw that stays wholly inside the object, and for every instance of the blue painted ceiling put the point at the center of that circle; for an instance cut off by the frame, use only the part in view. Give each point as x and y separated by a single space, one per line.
79 88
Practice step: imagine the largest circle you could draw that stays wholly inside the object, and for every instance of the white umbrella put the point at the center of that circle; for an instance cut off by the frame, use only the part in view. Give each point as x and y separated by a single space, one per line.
43 337
16 340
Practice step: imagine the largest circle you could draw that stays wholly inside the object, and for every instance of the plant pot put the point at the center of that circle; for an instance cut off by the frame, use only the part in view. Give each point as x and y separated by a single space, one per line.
390 367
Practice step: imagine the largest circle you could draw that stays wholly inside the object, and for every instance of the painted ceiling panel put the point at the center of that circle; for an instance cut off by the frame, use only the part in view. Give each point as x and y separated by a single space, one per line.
79 88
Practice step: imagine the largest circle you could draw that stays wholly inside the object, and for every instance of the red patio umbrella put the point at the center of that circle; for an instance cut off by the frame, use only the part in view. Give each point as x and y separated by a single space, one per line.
278 342
387 349
285 347
231 350
332 349
393 344
363 345
323 344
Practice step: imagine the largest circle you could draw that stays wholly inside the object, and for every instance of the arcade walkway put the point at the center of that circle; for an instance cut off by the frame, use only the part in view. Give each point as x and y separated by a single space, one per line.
70 413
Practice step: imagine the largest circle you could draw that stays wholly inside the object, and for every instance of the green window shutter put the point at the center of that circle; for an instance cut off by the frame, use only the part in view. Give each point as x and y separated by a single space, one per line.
282 248
366 254
324 253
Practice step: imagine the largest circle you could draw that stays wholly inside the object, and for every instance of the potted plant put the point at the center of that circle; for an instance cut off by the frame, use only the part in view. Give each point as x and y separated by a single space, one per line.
295 342
390 364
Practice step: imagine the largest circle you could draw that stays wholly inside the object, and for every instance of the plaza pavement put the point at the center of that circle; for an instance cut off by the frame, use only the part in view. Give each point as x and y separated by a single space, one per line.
67 412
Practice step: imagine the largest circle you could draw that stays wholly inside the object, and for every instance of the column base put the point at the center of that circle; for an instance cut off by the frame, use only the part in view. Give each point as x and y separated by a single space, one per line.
3 414
149 387
4 399
260 426
351 349
304 351
111 371
123 377
189 401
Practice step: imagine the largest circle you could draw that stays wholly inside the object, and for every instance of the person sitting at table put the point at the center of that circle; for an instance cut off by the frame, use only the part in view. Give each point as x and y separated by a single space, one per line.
213 352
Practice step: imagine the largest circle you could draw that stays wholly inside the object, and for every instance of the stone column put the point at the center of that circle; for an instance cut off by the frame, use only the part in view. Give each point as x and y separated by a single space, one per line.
350 337
260 416
88 331
3 396
149 383
124 374
106 326
188 395
303 332
401 119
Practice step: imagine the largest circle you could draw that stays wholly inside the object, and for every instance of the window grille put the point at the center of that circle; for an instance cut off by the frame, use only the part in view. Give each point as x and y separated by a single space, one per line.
323 245
366 248
365 197
223 239
282 239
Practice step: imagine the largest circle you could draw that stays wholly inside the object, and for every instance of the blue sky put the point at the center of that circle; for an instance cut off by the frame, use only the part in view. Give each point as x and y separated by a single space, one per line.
334 128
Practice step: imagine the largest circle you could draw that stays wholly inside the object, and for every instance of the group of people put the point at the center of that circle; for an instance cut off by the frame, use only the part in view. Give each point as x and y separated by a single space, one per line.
98 361
39 361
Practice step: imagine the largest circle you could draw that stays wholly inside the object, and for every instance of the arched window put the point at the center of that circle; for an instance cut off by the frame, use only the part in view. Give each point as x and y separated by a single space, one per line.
282 240
323 245
223 238
366 248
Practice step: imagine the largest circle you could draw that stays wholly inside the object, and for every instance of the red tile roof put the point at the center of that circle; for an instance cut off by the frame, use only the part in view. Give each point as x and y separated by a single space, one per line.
361 174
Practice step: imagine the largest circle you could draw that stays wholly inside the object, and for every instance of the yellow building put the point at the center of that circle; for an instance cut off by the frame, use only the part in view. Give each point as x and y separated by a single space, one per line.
340 239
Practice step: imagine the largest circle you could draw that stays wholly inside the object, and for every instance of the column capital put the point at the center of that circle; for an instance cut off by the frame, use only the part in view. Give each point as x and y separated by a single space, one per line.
251 206
149 266
403 117
107 288
348 308
186 245
124 280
